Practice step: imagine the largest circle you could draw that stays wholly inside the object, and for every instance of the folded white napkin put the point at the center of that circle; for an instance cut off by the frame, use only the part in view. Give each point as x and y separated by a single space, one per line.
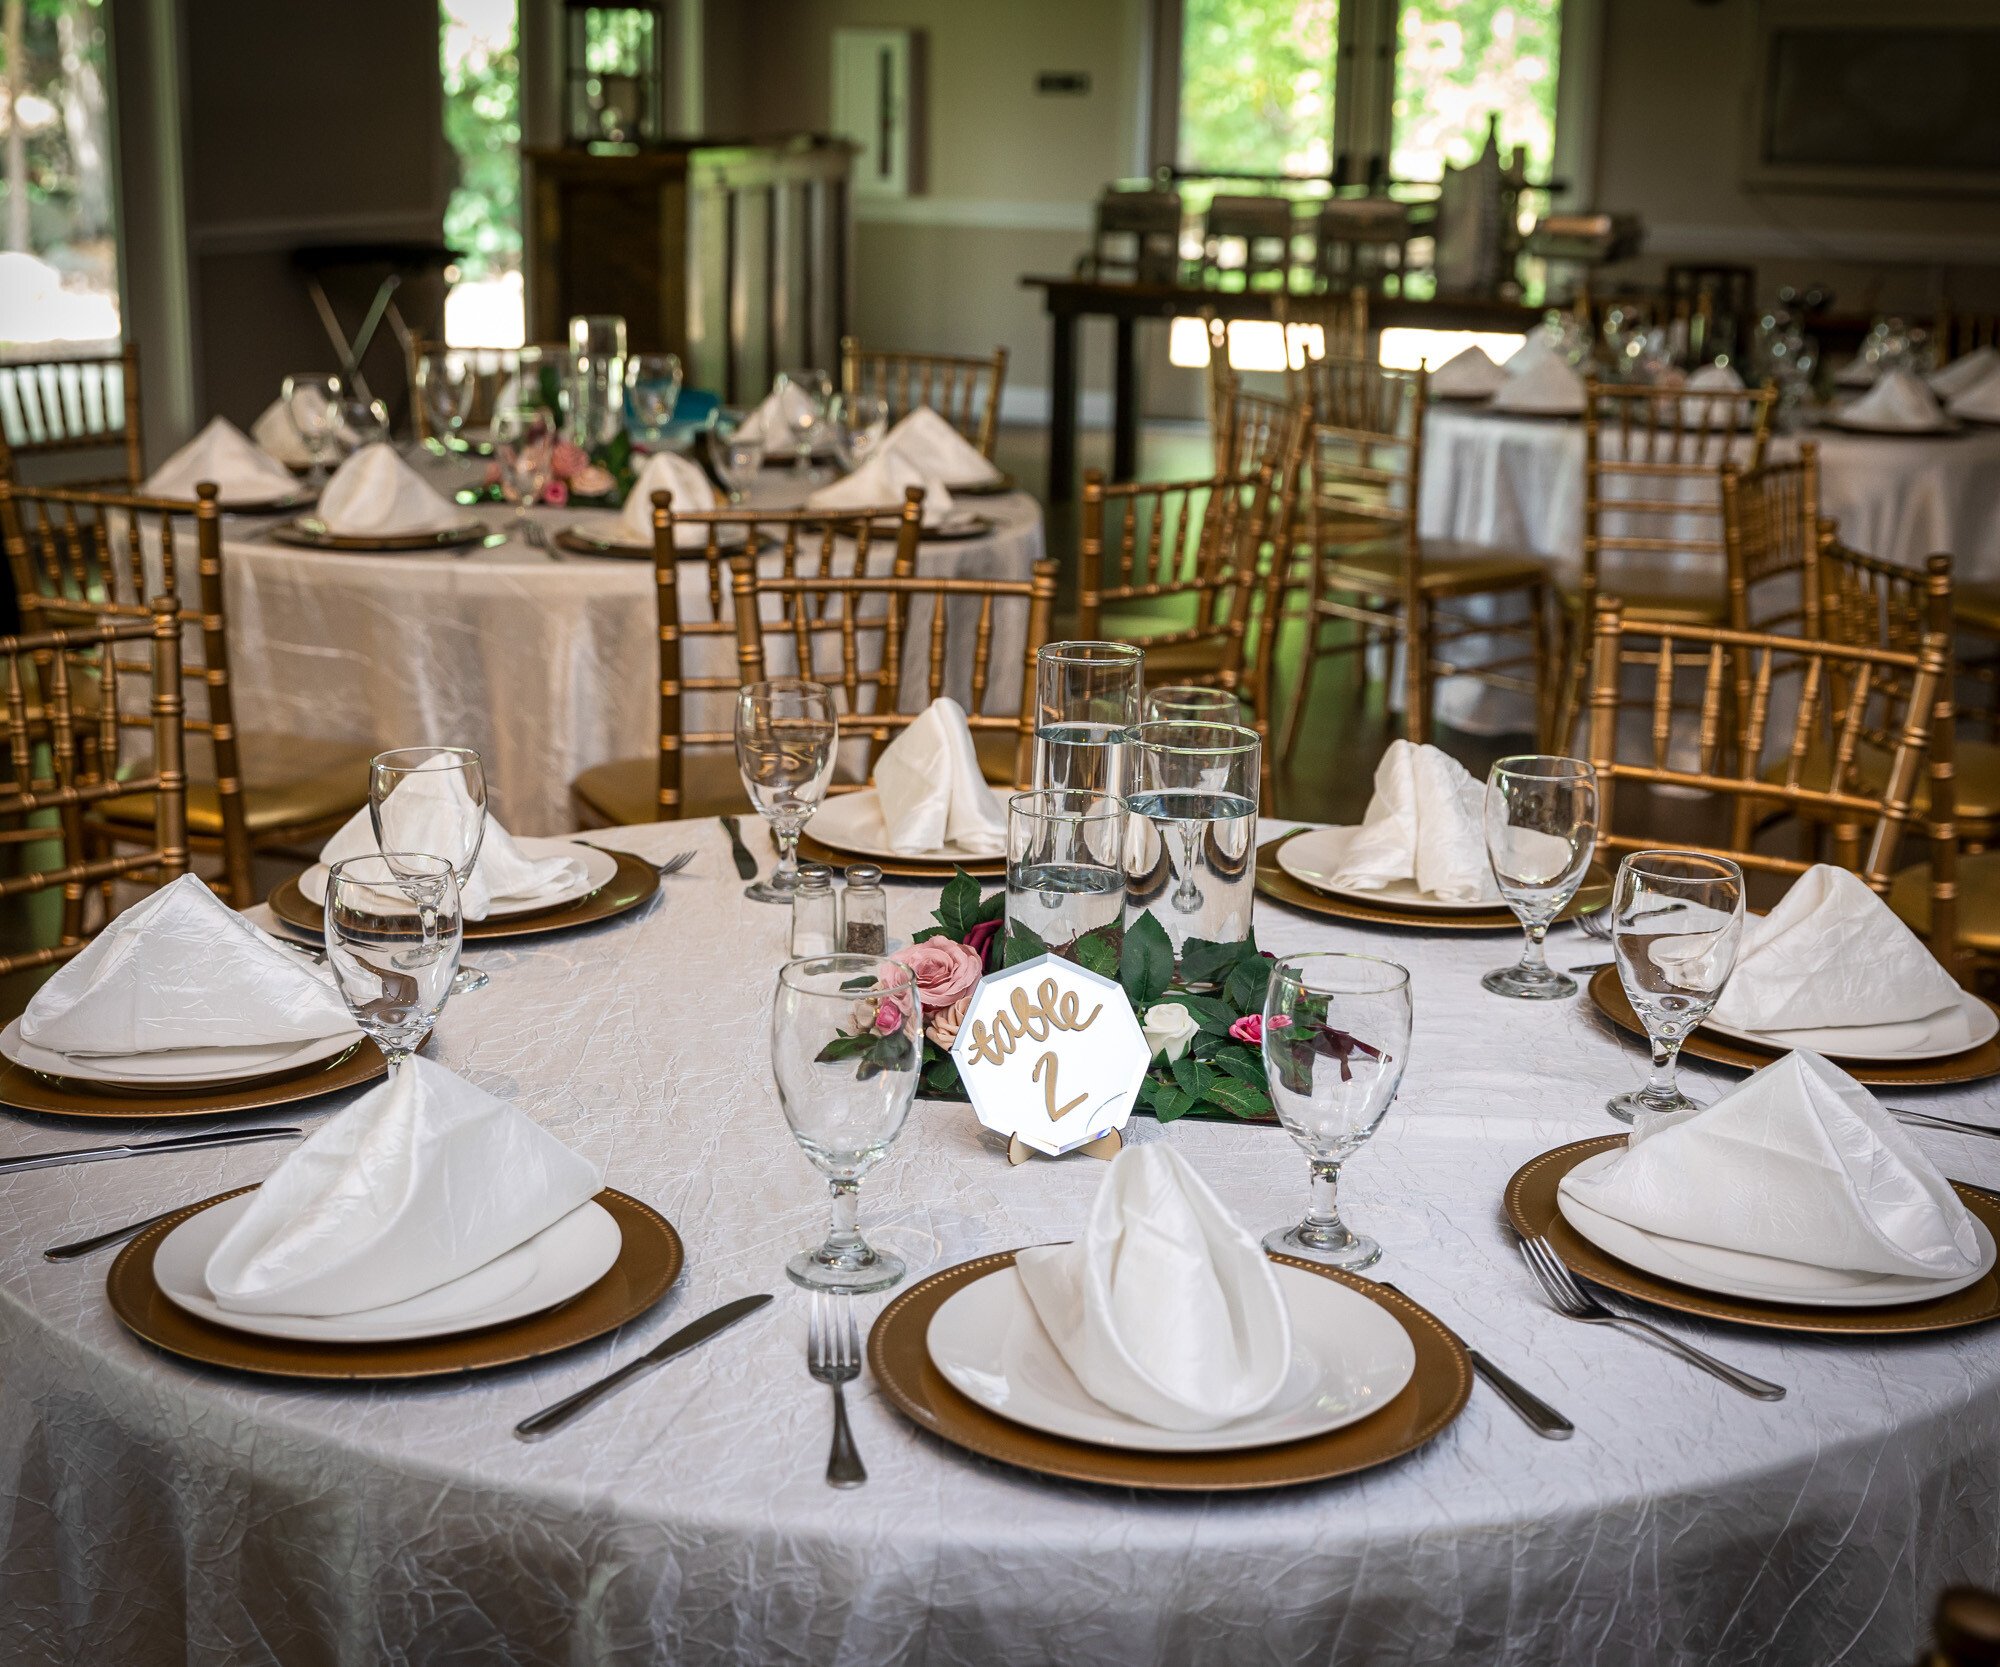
1798 1162
772 421
375 493
1714 378
1165 1309
939 451
1858 372
1425 823
932 791
667 471
1468 375
1831 953
881 482
1981 401
277 434
1899 399
417 1183
224 454
1964 373
1536 349
1545 387
415 815
182 970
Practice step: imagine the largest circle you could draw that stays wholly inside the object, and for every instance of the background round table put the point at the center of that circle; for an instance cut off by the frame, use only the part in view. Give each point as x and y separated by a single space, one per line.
155 1513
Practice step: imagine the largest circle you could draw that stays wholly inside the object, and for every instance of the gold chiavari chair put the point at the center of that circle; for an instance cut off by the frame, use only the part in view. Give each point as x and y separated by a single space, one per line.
64 408
63 755
1338 320
78 554
964 390
693 773
858 632
1370 567
1957 334
1248 429
1850 695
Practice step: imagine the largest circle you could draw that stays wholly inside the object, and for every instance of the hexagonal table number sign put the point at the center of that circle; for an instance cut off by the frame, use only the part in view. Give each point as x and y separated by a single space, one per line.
1052 1057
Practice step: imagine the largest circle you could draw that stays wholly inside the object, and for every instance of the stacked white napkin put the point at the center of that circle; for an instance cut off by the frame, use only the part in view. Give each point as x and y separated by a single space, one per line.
414 1185
275 431
1964 373
1425 823
1165 1309
182 970
1715 378
667 471
1798 1162
224 454
416 815
376 494
774 421
932 792
1544 387
881 482
1468 375
1832 953
1899 399
939 451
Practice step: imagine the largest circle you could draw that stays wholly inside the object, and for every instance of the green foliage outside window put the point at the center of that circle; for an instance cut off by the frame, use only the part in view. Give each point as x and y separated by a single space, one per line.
1257 85
480 55
1460 61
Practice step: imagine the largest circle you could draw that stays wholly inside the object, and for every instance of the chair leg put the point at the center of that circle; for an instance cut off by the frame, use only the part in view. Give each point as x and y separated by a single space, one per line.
1308 663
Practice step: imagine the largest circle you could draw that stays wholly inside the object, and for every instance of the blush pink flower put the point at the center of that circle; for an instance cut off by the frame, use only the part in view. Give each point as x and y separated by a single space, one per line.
591 482
945 971
942 1026
888 1016
556 493
1249 1028
569 460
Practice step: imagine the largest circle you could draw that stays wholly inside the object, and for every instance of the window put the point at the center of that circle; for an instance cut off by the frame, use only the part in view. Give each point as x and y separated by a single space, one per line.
1459 63
1257 86
480 57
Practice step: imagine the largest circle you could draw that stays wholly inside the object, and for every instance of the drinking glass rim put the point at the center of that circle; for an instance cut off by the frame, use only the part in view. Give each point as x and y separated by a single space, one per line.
905 979
1090 651
458 759
1584 769
783 685
1725 866
1400 982
1113 806
1247 738
391 876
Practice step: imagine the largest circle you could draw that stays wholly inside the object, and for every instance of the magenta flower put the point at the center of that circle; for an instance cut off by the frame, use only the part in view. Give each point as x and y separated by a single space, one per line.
1249 1028
556 493
981 937
888 1016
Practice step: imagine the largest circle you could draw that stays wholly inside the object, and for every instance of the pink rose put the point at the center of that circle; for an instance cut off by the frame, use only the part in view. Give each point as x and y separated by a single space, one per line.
569 460
556 493
942 1026
1249 1028
888 1016
945 971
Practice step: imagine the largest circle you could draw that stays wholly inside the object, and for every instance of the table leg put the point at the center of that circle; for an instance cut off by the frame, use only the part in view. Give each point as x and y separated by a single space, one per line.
1125 406
1062 407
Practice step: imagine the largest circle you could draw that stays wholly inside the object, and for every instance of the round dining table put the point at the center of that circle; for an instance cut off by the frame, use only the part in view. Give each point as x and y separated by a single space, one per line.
543 660
155 1512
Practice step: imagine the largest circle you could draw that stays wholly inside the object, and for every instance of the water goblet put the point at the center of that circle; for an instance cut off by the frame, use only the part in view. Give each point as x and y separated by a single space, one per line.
432 799
1191 836
1065 871
1185 703
524 447
446 383
1541 829
311 403
1676 922
1087 702
1336 1042
785 741
393 931
846 1038
737 453
858 422
358 423
802 397
652 390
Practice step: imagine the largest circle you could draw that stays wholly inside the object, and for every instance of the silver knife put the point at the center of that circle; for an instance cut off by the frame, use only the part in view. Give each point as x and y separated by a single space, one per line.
1532 1410
550 1419
180 1143
746 864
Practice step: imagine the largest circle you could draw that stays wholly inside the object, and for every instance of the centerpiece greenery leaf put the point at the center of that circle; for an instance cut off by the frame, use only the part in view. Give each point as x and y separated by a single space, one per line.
1146 963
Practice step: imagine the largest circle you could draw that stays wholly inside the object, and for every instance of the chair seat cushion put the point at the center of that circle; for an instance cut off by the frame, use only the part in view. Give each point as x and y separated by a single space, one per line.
1660 607
322 797
1975 776
626 790
1447 567
1181 661
1978 900
1977 606
997 750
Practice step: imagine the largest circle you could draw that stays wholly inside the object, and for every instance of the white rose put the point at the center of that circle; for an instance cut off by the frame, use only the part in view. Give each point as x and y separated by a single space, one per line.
1169 1027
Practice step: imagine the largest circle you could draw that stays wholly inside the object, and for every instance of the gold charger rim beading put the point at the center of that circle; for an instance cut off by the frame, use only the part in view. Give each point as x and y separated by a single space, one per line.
650 1260
632 884
24 1090
900 1362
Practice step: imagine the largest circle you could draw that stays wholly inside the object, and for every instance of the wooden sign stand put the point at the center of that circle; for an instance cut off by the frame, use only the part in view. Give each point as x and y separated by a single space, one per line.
1107 1146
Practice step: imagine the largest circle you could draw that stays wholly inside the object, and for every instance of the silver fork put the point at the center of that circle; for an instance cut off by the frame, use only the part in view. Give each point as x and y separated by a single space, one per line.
673 865
833 1356
1572 1300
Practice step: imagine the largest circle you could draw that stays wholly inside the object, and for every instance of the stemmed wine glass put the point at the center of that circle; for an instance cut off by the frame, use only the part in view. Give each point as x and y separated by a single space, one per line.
1676 922
1541 829
737 452
432 799
359 422
846 1037
785 736
524 446
445 383
859 422
312 402
805 415
652 390
1336 1041
393 931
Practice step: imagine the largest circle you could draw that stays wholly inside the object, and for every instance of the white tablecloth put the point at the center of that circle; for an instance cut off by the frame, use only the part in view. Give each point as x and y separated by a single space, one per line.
545 667
153 1513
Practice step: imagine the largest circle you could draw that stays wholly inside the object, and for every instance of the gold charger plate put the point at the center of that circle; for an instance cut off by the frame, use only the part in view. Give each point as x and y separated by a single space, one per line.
310 533
901 1363
583 544
900 868
1275 883
1531 1208
27 1090
1974 1065
649 1261
634 882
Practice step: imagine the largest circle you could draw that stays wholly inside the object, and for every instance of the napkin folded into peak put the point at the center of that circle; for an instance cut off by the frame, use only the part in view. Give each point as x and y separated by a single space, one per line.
417 1183
277 434
1798 1162
1899 399
1166 1309
1547 387
376 492
1425 823
939 451
417 815
932 791
1981 401
1858 372
1468 375
1536 350
667 471
224 454
182 970
880 483
1715 378
1964 373
774 419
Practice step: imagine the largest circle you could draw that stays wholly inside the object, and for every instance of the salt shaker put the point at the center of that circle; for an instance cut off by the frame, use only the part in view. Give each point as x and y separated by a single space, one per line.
815 912
865 911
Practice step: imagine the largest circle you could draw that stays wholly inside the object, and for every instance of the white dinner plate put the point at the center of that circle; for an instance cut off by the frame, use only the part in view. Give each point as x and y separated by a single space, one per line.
607 528
1350 1357
1969 1025
1841 420
1313 858
1754 1278
599 867
556 1264
169 1068
853 822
